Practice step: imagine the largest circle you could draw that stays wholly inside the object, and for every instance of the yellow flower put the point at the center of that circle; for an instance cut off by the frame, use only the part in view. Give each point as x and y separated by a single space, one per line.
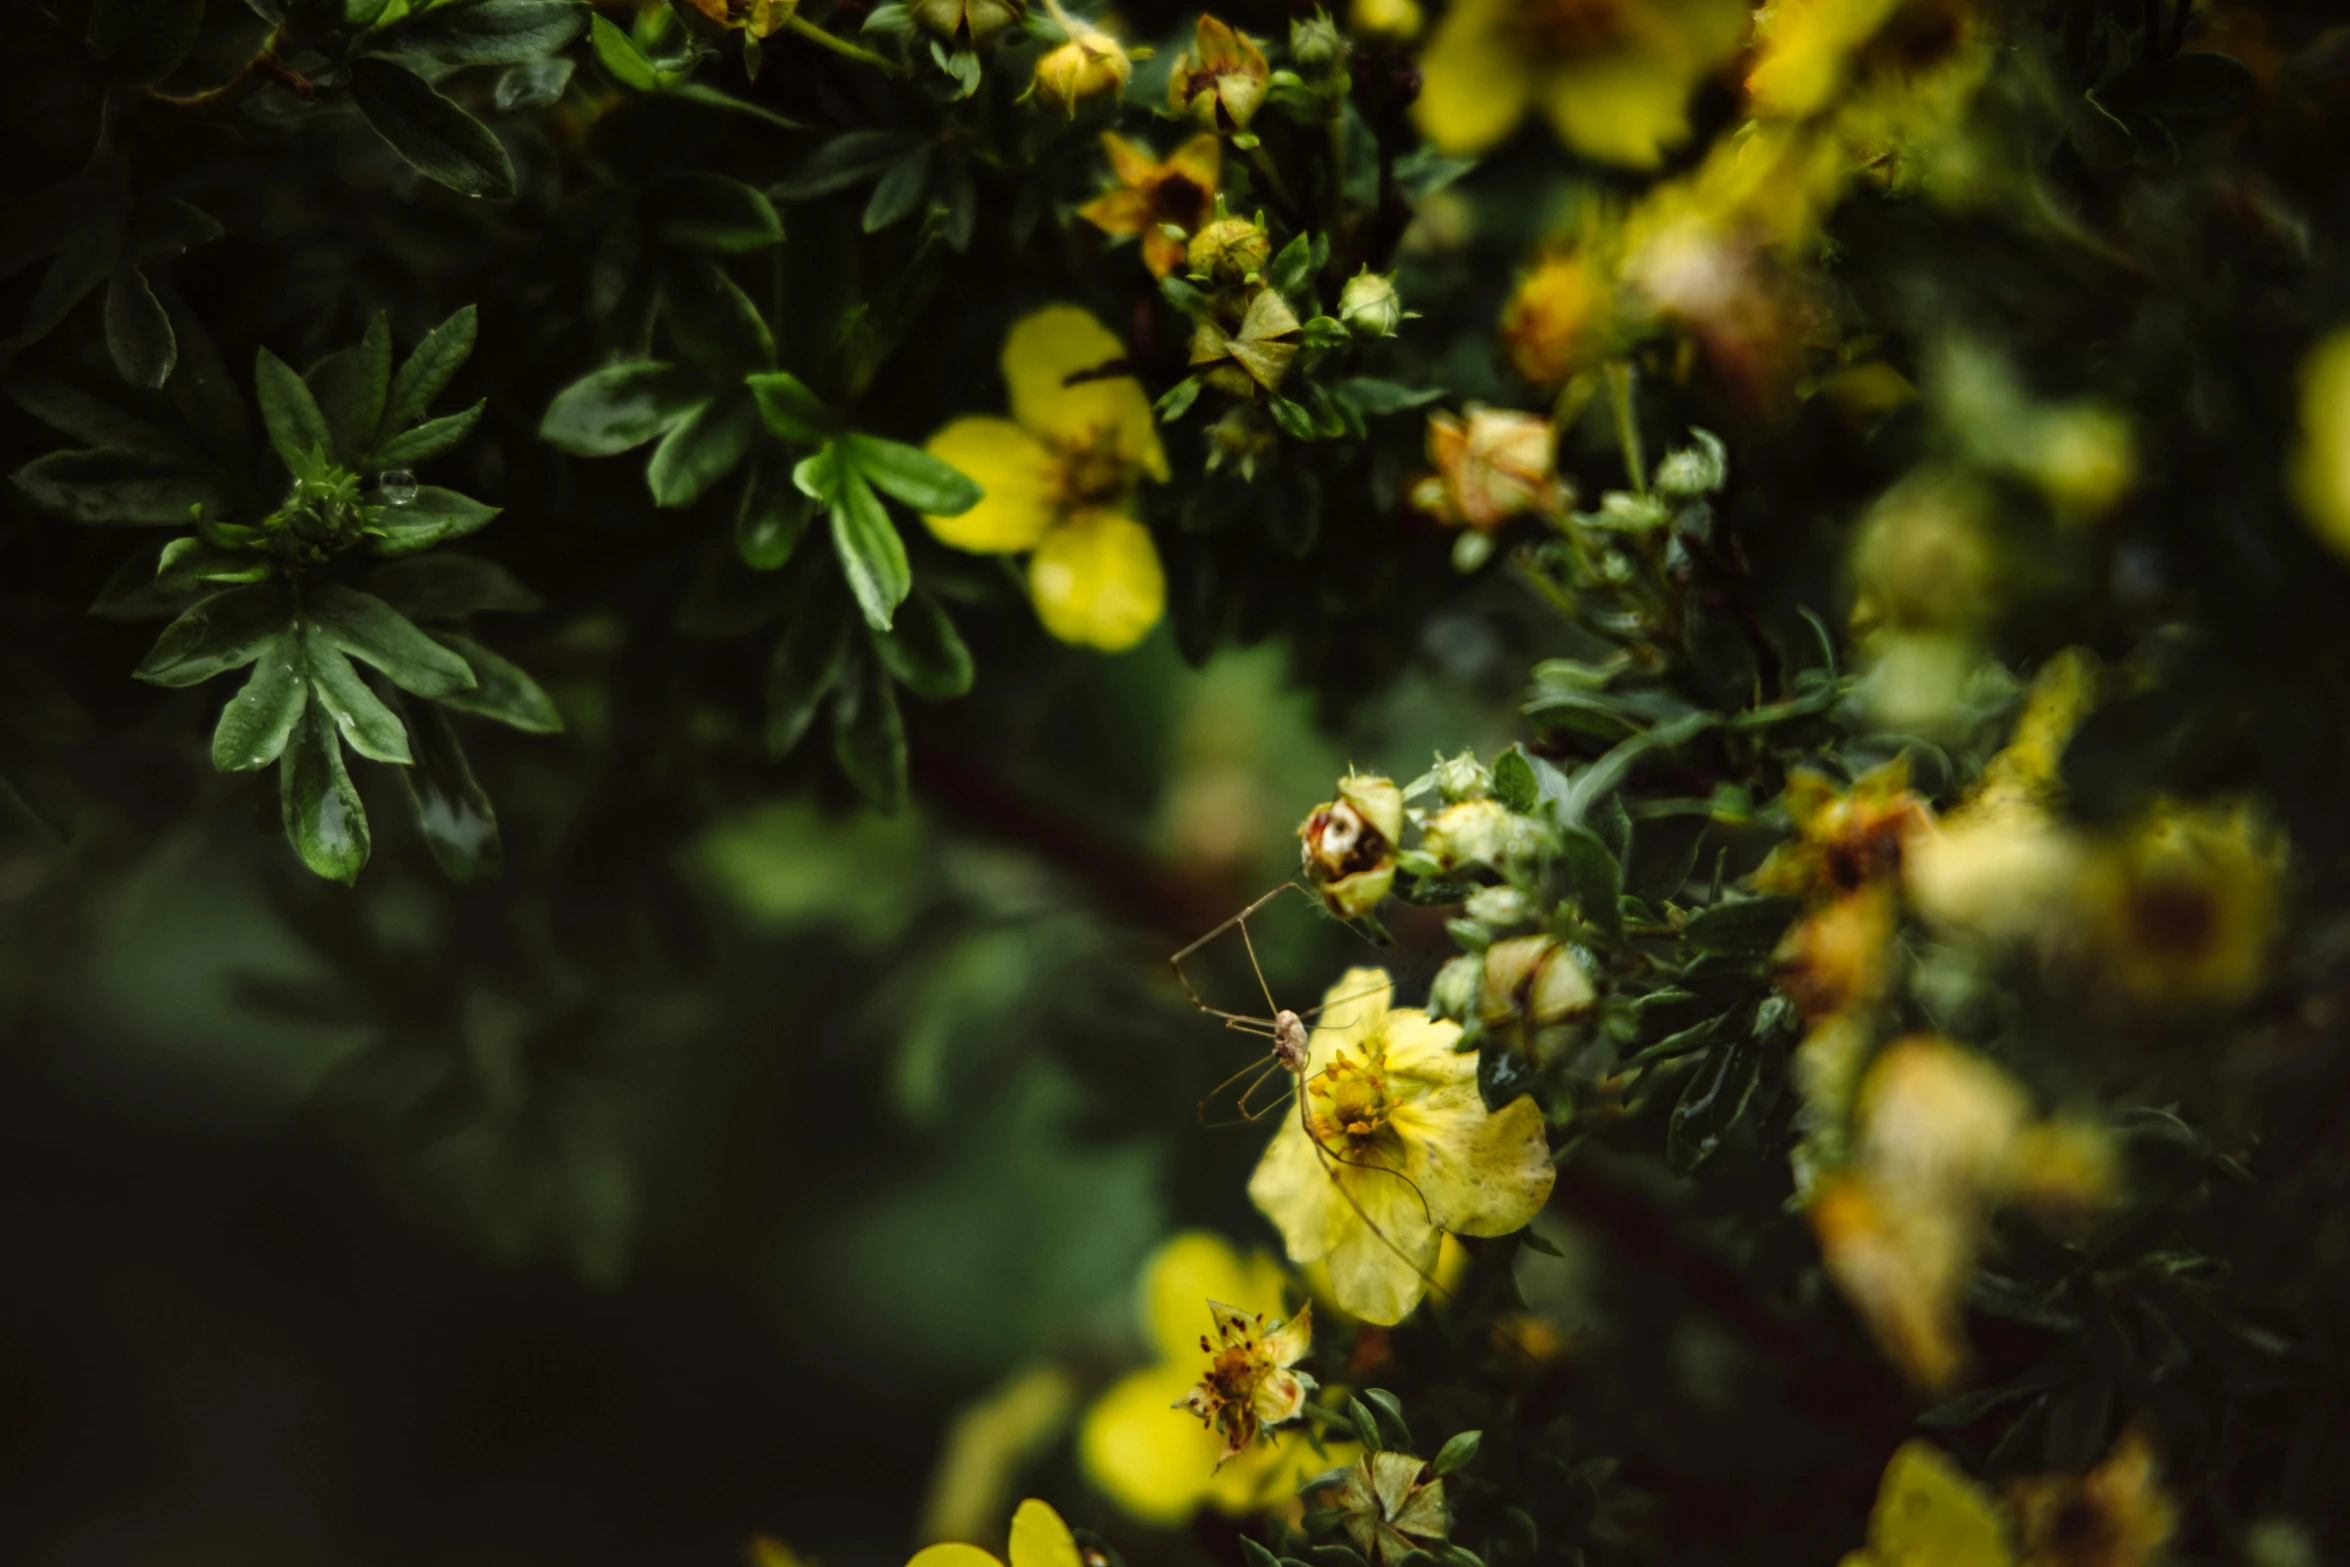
1387 1509
1495 465
1930 1514
1089 64
1613 77
1893 78
988 1444
1151 196
1136 1446
1059 477
1348 844
1557 322
1401 1149
1844 839
1220 80
2321 471
1249 1384
2189 906
1039 1539
2116 1515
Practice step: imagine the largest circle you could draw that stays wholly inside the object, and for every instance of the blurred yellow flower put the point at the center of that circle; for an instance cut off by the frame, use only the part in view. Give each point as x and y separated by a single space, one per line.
2188 908
1891 77
2321 471
1089 64
1401 1149
1613 77
1060 476
1385 21
1844 838
1039 1539
1496 464
1249 1383
1930 1514
989 1442
1151 196
1558 320
1135 1443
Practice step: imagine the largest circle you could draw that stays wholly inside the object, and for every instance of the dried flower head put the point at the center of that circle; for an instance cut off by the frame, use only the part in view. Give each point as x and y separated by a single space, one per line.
1249 1384
1494 465
1387 1508
1349 844
1220 81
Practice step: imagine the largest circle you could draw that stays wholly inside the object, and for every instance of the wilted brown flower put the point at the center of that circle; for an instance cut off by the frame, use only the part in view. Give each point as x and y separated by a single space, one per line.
1220 81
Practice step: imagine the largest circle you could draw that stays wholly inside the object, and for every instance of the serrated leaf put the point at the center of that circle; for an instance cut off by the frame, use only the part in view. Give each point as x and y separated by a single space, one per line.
439 139
911 475
924 652
367 726
368 629
257 721
433 438
138 330
621 406
503 691
323 816
431 516
288 411
222 632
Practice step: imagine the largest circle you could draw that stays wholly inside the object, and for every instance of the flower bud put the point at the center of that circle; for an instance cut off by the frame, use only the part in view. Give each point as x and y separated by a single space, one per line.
1494 465
1462 777
1228 251
1475 832
1500 907
1535 996
1369 306
1315 43
1349 844
979 20
1220 81
1693 471
1089 64
1455 991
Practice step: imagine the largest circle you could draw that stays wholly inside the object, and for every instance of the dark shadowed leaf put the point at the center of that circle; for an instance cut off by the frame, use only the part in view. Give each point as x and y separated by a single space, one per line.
440 140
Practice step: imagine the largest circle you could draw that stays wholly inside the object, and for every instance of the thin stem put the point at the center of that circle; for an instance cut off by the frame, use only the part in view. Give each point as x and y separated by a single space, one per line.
1262 162
1619 385
264 65
841 46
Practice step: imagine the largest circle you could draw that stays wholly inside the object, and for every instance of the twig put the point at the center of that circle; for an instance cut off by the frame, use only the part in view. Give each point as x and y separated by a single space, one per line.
842 47
264 66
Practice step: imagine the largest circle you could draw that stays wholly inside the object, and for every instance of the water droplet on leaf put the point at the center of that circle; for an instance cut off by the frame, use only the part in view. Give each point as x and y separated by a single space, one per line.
397 486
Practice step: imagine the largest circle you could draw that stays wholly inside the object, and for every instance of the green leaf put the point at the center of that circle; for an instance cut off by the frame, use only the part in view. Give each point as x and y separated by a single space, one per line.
288 411
769 521
1176 401
433 438
1366 1426
440 140
872 556
453 812
714 323
223 632
368 727
709 97
1459 1452
1514 784
349 385
1716 1096
808 661
481 32
143 41
792 412
621 406
844 161
504 691
1748 927
712 212
621 59
255 724
367 628
911 475
96 422
433 516
1293 420
189 565
900 191
1391 1413
112 487
924 651
1293 268
324 819
1597 876
705 448
533 84
867 738
427 373
1374 397
1256 1555
450 586
138 330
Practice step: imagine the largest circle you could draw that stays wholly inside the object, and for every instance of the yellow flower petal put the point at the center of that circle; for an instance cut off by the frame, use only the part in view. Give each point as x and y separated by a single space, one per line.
1048 347
1040 1539
1475 79
1270 1472
1191 1269
1625 106
953 1555
1484 1173
1015 474
1152 1459
2321 475
1382 1261
1929 1514
1096 581
1350 1010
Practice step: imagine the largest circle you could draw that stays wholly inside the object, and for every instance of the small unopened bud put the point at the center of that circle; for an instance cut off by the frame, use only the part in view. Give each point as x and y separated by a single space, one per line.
1535 995
1500 907
1089 64
1693 471
1369 306
1228 251
1240 440
1462 777
1315 43
978 21
1454 993
1348 844
1474 832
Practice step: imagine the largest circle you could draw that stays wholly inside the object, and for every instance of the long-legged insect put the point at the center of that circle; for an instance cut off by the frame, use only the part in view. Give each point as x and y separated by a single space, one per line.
1291 1052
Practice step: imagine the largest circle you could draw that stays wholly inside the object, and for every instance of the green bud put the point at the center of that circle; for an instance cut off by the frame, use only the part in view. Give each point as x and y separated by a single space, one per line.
1368 305
1315 42
1462 777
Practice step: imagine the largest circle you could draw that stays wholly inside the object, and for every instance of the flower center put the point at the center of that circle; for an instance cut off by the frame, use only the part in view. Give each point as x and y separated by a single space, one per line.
1179 199
2175 919
1353 1098
1565 29
1089 472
